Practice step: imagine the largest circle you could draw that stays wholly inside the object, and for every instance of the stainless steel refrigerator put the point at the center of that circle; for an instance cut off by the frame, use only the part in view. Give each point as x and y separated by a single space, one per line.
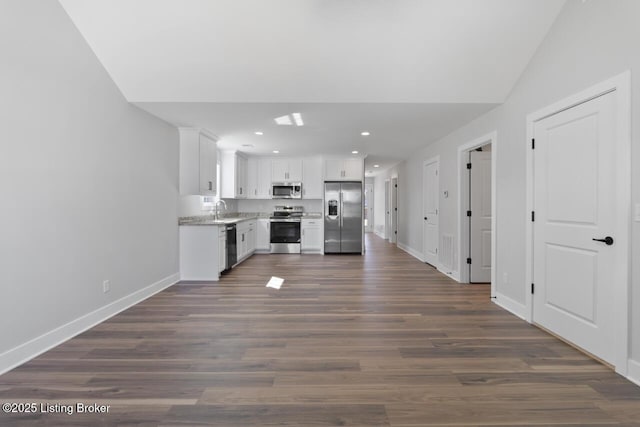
342 217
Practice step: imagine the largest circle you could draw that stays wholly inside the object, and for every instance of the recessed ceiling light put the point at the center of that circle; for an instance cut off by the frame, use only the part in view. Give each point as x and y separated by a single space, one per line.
354 152
275 151
259 133
376 166
365 133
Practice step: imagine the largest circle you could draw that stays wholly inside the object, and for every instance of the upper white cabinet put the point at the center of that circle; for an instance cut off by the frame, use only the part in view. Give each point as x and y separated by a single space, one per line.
233 175
197 163
286 170
259 178
344 169
312 178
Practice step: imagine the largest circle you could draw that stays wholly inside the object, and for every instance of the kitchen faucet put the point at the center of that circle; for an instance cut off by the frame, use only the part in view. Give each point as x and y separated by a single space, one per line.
217 210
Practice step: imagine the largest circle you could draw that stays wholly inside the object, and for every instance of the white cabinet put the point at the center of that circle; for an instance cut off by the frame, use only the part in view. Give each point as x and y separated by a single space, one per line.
312 236
222 248
200 257
263 235
259 178
246 238
264 178
312 187
344 169
286 170
233 175
197 163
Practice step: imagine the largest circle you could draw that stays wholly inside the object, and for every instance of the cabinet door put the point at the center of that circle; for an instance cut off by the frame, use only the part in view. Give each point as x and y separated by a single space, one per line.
222 253
264 178
295 170
353 169
279 170
263 237
252 178
241 177
311 236
333 169
207 160
251 238
312 178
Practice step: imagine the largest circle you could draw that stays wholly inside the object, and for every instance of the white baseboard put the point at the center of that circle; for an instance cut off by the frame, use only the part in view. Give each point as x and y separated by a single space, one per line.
410 251
453 275
510 305
27 351
379 234
633 373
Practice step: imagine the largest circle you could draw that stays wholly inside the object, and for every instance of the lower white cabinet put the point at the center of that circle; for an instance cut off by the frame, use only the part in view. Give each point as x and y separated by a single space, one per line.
246 238
200 257
312 236
263 235
222 249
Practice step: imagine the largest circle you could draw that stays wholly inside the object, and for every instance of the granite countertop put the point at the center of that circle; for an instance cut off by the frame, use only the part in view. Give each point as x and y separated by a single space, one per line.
233 218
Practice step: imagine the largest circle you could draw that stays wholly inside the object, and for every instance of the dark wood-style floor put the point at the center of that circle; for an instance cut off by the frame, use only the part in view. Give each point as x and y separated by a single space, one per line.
379 340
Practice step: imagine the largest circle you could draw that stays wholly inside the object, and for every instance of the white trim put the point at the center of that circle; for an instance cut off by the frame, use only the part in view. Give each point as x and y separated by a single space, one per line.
453 275
379 234
633 374
411 251
621 85
436 160
512 306
27 351
490 138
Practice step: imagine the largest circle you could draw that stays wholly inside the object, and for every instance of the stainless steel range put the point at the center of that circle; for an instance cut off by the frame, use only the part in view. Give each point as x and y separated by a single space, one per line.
285 229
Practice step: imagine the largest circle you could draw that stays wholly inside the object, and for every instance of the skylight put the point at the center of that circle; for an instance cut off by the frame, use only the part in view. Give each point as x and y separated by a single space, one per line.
290 119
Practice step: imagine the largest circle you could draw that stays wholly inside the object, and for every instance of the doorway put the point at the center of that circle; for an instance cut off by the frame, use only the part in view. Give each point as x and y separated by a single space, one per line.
430 207
479 214
577 241
368 208
393 235
387 209
483 231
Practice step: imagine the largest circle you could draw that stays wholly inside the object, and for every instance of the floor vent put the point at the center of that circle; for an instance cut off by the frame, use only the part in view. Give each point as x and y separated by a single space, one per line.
446 254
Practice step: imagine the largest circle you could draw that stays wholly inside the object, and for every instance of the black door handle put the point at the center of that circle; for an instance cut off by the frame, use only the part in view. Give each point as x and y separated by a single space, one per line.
425 218
608 240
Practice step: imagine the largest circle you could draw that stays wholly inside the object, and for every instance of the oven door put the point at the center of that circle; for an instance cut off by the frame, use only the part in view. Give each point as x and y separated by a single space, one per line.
285 236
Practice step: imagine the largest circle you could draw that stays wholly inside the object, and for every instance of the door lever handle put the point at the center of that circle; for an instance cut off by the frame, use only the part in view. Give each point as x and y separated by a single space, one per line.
607 240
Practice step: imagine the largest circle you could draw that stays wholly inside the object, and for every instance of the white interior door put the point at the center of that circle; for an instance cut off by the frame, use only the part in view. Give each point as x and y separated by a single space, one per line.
574 202
387 209
393 237
431 188
368 208
480 219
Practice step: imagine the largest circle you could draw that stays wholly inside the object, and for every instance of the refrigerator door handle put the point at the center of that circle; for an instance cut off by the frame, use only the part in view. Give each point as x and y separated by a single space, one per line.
340 211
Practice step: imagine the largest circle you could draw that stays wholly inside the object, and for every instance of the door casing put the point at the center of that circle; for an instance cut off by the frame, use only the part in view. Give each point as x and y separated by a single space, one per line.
463 206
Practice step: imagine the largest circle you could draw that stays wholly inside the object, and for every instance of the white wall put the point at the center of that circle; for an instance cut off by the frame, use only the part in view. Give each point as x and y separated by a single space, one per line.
378 189
590 42
88 182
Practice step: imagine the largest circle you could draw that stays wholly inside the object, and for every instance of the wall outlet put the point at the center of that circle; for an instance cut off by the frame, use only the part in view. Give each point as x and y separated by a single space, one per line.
505 278
106 286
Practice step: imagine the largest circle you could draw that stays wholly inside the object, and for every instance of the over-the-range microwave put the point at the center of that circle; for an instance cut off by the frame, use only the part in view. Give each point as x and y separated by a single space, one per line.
286 190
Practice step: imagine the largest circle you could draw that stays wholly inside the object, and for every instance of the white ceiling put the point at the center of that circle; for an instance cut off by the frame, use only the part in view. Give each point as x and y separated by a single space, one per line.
199 58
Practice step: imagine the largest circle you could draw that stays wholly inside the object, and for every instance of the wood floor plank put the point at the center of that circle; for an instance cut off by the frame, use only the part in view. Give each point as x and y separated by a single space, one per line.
374 340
